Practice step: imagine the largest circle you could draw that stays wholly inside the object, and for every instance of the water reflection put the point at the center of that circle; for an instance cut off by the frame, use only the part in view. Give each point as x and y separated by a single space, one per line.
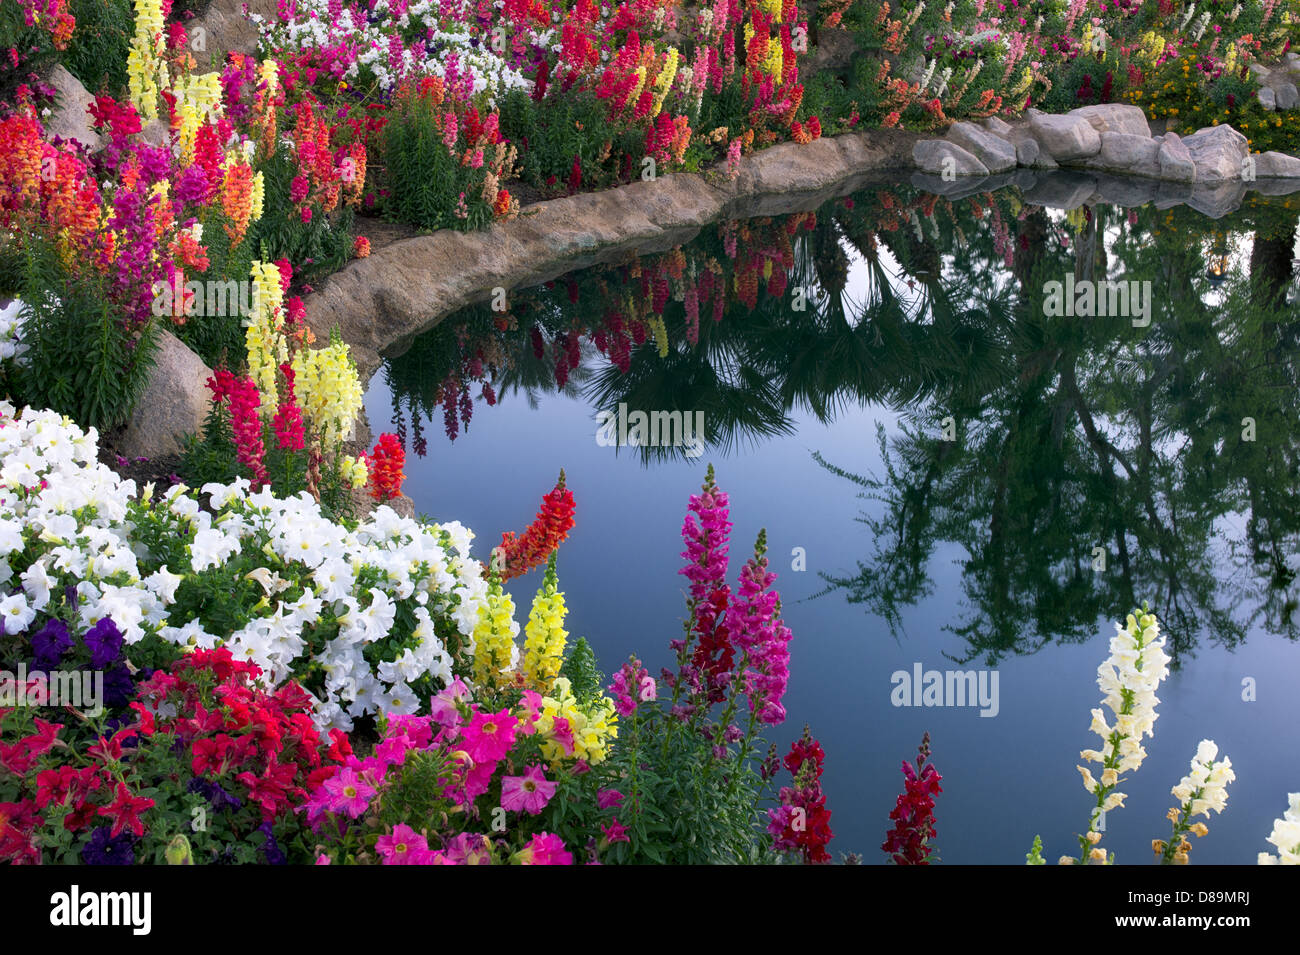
1083 461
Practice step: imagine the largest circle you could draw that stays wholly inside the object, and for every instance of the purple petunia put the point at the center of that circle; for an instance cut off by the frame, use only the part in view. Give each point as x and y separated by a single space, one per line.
104 641
50 644
103 849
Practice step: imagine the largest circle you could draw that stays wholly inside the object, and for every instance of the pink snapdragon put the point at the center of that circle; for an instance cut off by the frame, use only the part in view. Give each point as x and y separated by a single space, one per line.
754 626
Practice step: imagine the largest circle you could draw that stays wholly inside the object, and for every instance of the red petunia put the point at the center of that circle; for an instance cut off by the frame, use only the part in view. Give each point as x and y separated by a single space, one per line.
125 811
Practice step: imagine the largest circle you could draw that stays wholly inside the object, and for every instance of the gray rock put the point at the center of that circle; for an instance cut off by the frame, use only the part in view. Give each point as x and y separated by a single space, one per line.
1174 160
998 127
1124 192
993 151
939 157
1287 95
1169 194
1267 98
1276 187
174 403
1219 153
1062 190
156 132
1217 199
1115 118
1024 179
1030 154
1065 138
1127 153
69 118
1259 71
1274 165
225 28
951 189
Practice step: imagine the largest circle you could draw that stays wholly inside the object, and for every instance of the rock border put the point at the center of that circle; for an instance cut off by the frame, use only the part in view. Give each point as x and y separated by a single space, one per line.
1112 138
380 303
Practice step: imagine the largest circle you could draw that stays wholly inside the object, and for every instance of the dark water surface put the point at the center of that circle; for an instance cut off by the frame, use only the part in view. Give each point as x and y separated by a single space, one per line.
954 465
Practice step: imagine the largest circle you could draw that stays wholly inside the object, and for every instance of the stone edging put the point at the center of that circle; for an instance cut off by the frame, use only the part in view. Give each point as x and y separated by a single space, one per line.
387 298
1109 138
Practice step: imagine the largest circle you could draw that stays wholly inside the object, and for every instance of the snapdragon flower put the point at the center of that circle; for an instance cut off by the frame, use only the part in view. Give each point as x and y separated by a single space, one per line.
1128 678
1200 792
1286 836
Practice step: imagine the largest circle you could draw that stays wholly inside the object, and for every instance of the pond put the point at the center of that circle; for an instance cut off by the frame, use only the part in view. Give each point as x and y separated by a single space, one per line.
978 431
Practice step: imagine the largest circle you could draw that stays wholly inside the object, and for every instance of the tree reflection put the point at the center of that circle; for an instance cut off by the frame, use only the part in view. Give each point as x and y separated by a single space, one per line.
1094 464
1169 448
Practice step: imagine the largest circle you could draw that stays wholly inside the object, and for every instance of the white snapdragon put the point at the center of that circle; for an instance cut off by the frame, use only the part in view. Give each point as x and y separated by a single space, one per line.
1285 836
1205 788
1128 679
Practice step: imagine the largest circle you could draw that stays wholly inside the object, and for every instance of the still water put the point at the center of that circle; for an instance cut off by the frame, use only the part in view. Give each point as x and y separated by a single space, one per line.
962 463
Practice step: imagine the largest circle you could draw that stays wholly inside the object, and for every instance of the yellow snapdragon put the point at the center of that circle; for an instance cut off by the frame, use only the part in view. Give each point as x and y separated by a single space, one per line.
257 199
266 348
495 651
198 101
636 90
328 390
593 729
146 73
664 81
544 634
354 471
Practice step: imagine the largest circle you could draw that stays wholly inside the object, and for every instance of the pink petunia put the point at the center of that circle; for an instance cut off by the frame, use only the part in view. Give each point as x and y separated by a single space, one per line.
468 848
403 846
442 707
545 848
489 736
527 793
347 793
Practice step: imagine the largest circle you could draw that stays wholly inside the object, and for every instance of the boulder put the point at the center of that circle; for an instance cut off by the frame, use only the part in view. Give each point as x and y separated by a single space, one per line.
224 27
939 157
1267 98
956 188
1217 199
1115 118
1127 153
999 127
69 118
1174 160
1065 138
1273 165
1123 191
1286 94
1061 190
1029 153
174 404
993 151
1218 153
